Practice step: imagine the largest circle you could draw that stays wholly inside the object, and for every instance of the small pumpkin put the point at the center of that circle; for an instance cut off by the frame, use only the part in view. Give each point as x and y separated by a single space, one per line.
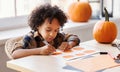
105 31
79 11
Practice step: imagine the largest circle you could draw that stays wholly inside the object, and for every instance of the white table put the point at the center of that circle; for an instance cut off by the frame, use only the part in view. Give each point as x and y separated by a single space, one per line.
57 64
36 64
103 47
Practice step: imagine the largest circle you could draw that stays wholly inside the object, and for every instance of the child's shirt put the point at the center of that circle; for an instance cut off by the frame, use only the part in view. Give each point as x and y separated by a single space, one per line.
30 41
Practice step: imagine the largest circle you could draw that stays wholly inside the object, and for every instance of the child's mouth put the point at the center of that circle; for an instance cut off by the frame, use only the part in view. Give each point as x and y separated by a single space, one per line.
50 39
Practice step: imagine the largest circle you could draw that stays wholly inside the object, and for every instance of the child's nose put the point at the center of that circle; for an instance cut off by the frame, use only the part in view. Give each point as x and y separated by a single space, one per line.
52 34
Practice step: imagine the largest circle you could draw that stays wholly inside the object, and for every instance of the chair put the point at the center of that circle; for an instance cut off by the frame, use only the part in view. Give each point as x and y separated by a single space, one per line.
9 45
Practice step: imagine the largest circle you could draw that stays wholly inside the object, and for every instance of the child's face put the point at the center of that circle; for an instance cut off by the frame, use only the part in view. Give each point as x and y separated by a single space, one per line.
49 31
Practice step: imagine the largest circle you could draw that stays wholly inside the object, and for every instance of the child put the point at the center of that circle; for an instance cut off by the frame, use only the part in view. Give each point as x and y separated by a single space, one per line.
44 38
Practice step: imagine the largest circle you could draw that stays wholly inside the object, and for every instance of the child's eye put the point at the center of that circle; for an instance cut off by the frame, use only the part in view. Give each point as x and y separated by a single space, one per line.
56 30
48 30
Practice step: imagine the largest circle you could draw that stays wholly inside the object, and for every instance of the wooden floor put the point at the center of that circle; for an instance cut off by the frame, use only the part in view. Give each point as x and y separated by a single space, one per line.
3 59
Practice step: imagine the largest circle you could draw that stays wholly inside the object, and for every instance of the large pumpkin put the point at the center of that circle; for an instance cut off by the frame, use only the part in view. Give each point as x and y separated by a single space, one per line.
79 11
105 31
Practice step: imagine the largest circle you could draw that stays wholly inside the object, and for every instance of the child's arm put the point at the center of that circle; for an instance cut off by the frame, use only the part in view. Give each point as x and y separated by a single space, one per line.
45 50
70 42
26 46
19 53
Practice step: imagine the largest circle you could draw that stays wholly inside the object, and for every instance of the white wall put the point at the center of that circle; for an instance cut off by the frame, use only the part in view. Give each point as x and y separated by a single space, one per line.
116 8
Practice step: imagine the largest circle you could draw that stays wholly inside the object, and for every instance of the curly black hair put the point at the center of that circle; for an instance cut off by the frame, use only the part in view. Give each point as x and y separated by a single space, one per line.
41 13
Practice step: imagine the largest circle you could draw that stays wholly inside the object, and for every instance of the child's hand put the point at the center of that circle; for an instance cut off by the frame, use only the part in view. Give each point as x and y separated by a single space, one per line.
64 46
47 49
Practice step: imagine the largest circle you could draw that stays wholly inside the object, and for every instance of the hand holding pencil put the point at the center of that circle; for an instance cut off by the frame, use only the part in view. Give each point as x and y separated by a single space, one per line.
47 49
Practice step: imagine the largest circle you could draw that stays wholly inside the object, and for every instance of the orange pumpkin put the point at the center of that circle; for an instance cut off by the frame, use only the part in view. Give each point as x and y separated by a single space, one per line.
105 31
79 11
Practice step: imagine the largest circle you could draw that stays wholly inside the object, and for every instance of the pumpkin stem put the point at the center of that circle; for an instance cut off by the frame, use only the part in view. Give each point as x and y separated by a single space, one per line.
106 15
78 0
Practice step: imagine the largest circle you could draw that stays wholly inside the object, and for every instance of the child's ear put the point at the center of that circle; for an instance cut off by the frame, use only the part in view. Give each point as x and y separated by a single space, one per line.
37 28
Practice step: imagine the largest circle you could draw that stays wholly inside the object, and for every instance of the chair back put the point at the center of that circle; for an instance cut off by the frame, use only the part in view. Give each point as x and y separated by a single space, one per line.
9 46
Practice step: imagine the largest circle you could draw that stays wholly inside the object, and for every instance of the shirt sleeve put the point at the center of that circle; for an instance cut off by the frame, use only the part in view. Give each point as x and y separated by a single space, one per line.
29 42
25 42
62 37
71 37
